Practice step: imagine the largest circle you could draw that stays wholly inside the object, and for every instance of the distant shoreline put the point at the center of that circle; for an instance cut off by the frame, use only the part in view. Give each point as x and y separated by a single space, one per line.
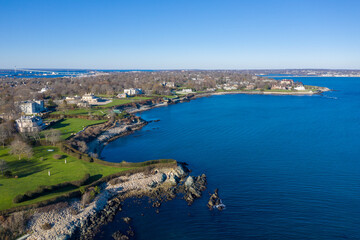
289 76
98 144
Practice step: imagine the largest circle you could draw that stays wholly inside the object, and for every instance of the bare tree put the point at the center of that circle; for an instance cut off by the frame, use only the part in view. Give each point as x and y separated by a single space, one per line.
3 166
82 146
21 149
34 135
54 136
3 134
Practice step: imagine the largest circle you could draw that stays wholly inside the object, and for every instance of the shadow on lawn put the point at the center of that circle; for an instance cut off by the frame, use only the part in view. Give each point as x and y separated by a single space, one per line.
94 178
24 168
60 124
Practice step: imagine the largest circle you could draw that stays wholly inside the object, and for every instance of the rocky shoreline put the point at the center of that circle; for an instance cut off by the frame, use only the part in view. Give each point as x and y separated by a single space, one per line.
75 221
117 131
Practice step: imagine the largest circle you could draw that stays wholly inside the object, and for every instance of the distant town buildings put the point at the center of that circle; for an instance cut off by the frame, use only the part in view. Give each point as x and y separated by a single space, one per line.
229 87
29 124
32 107
250 86
133 91
211 89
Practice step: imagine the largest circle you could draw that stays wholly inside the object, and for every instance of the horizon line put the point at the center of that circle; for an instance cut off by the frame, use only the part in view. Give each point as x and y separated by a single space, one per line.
180 69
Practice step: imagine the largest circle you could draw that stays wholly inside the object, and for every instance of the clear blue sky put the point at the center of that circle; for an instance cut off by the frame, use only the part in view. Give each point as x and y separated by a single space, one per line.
178 34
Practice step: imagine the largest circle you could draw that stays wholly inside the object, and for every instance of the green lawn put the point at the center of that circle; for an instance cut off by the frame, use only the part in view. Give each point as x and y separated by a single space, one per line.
69 126
118 101
33 173
83 112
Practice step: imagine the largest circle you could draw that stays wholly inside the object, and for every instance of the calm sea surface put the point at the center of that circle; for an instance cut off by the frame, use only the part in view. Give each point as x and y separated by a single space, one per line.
288 167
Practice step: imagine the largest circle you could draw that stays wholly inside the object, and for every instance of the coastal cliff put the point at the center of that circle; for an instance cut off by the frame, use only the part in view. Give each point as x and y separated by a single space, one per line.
78 221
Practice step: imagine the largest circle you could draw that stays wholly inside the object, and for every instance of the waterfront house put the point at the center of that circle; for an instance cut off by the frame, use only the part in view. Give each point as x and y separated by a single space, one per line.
278 87
211 89
251 86
287 82
133 91
229 87
32 107
29 124
122 95
299 87
185 91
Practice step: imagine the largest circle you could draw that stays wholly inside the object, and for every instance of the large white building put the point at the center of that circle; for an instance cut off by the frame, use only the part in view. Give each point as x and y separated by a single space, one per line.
299 88
29 124
133 91
90 98
44 89
185 91
32 107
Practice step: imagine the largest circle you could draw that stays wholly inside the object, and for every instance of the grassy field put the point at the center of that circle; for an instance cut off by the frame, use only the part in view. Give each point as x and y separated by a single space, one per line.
83 112
117 101
34 172
69 126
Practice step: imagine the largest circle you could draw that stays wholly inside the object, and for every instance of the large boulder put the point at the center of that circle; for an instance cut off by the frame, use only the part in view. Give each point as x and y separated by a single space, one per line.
173 179
189 182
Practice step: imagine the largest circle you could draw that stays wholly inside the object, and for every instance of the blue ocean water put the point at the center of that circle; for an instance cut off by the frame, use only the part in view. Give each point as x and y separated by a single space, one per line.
287 167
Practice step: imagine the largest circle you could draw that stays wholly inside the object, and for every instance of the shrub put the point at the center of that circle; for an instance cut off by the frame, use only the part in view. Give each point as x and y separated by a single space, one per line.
97 189
58 156
8 174
87 198
18 199
82 190
46 226
2 219
73 211
42 190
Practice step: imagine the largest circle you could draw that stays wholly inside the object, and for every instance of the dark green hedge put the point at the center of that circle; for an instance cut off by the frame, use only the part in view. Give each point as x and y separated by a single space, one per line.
43 190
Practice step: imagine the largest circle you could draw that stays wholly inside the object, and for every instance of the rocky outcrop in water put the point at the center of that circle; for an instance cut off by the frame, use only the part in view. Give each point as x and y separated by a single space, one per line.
215 201
119 236
193 188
